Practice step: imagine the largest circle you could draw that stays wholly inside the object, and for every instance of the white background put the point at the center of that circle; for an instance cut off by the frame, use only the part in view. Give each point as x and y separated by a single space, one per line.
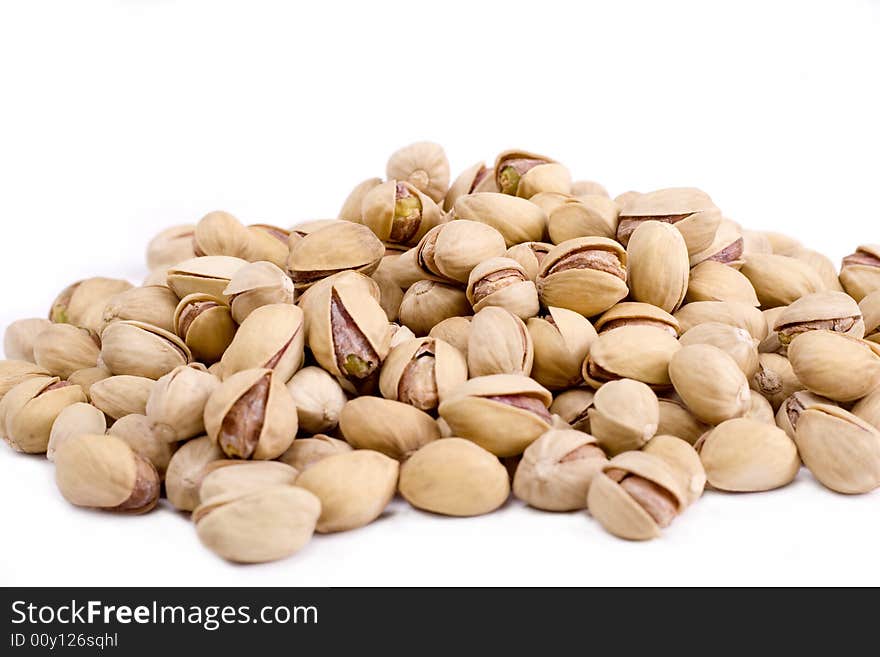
118 119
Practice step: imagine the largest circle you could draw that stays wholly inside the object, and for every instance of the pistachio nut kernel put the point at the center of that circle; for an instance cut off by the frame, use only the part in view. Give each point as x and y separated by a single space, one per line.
236 478
677 420
118 396
557 469
186 470
503 413
82 304
351 208
454 477
152 304
103 472
154 442
142 350
422 372
20 336
517 219
735 313
727 248
205 324
829 311
427 303
454 331
398 213
586 275
573 407
524 174
658 268
834 365
257 527
780 280
319 399
642 353
735 342
219 233
635 495
272 337
62 349
499 343
624 416
585 216
75 420
423 165
178 400
529 255
393 428
775 379
252 415
710 383
337 247
305 452
790 410
502 282
860 271
629 313
684 461
256 285
205 275
171 246
476 178
839 448
354 488
561 341
713 281
29 410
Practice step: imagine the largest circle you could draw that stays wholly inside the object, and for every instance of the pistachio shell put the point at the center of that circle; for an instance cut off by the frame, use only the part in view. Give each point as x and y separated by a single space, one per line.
428 303
573 406
399 335
710 383
383 425
455 331
628 313
422 372
860 272
337 247
82 304
31 407
624 415
780 280
834 365
319 399
690 210
219 233
178 400
635 352
775 379
676 420
755 242
142 350
734 313
88 377
870 309
529 255
273 337
586 216
833 311
351 208
153 304
735 342
206 275
476 178
713 281
781 244
423 165
205 324
726 248
118 396
268 244
187 469
75 420
525 174
760 409
453 249
657 262
383 207
390 293
588 188
151 441
256 285
63 349
561 342
171 246
516 219
684 461
498 343
502 282
305 452
822 265
790 410
20 337
245 477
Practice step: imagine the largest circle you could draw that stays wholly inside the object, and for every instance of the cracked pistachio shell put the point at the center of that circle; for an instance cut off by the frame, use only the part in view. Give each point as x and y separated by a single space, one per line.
152 441
503 413
822 265
203 275
834 365
30 408
790 410
832 311
744 455
627 313
631 510
839 448
713 281
625 199
351 208
726 248
354 488
118 396
524 174
529 255
624 415
634 352
427 303
780 280
690 210
305 452
398 213
399 334
265 525
20 336
251 415
142 350
588 188
245 477
304 228
775 379
735 342
75 420
153 304
271 337
561 341
256 285
340 246
393 428
860 271
103 472
319 290
499 343
734 313
178 400
676 420
268 244
586 275
422 372
584 216
557 469
88 377
452 250
454 477
186 470
422 164
476 178
760 409
710 383
454 331
870 309
780 243
516 219
219 233
755 242
171 246
319 399
771 343
390 293
205 324
657 263
62 349
503 283
685 462
573 407
82 304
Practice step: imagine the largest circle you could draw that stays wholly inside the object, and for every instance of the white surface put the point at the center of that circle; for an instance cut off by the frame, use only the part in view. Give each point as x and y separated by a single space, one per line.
121 118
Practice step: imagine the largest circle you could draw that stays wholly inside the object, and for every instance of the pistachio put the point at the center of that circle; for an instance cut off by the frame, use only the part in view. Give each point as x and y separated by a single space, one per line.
219 233
529 255
153 304
834 365
710 383
186 470
252 415
573 407
237 478
63 349
822 265
422 372
684 461
337 247
171 246
20 336
713 281
82 304
256 285
504 283
524 174
139 349
476 178
399 335
790 410
658 268
423 165
498 343
587 275
585 216
390 293
760 409
104 472
781 244
676 420
351 208
88 377
735 342
305 452
398 213
780 280
452 250
624 415
319 399
428 303
272 337
628 313
831 311
726 249
860 271
516 219
454 477
870 309
771 343
503 413
588 188
455 331
354 488
557 469
741 315
561 341
205 275
635 495
775 379
75 420
153 442
118 396
205 324
268 244
390 427
265 525
642 353
755 242
30 408
178 400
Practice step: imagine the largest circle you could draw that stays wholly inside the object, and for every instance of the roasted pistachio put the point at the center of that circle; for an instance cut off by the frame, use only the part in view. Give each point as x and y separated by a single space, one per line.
790 410
118 396
269 244
155 442
139 349
219 233
860 271
171 246
205 275
781 244
755 242
28 411
305 452
178 400
340 246
273 337
775 379
588 188
398 213
255 285
822 265
476 178
186 470
423 165
319 399
427 303
561 340
573 407
422 372
82 304
713 281
870 309
351 208
390 427
20 337
153 304
735 313
635 352
75 420
516 219
524 174
677 420
63 349
735 342
831 311
760 409
498 343
390 293
529 255
400 334
657 264
780 280
205 324
454 331
224 478
628 313
624 415
834 365
727 247
502 282
88 377
684 461
451 250
585 216
710 383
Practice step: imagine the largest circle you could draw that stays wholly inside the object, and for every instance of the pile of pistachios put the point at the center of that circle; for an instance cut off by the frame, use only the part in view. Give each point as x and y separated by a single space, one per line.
511 331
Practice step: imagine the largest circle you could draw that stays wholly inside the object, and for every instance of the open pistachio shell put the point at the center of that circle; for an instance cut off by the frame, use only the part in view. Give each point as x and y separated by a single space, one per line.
504 283
635 352
427 303
685 462
831 311
516 219
780 280
171 246
268 244
585 216
153 304
142 350
628 313
499 343
423 165
351 208
713 281
529 255
305 452
657 265
334 248
525 174
30 408
734 313
860 271
422 372
273 337
835 365
453 249
790 410
710 383
726 249
624 415
561 341
870 309
118 396
20 337
75 420
206 275
82 304
256 285
205 324
63 349
573 407
476 178
178 400
775 379
735 342
390 427
398 213
186 470
319 399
